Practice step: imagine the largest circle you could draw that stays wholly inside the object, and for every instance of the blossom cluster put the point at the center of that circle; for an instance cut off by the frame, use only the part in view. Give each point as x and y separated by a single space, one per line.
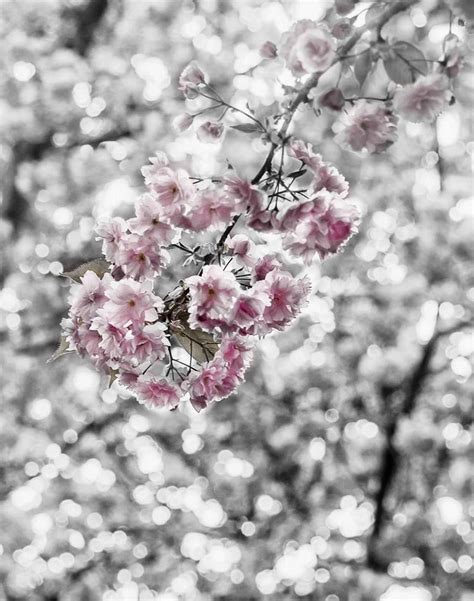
194 342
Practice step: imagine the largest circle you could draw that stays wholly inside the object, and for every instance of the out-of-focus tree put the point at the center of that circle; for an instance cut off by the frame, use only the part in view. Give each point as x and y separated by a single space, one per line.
340 471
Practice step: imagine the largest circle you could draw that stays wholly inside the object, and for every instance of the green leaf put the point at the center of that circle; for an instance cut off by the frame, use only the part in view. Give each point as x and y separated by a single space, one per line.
98 266
247 128
63 348
404 63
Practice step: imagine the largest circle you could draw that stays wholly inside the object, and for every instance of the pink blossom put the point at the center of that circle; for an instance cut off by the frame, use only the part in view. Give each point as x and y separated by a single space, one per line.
320 226
212 297
82 339
242 249
141 257
423 100
131 303
128 377
327 177
287 297
115 341
190 79
211 209
206 387
89 295
172 188
316 50
268 50
264 265
210 132
342 28
158 161
243 194
263 221
157 392
367 127
150 221
220 377
150 343
182 122
303 151
249 308
344 7
111 232
237 352
307 48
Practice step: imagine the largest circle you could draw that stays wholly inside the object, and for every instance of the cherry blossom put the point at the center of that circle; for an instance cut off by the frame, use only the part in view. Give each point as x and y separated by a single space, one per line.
320 226
367 126
423 100
190 79
242 249
131 302
141 257
156 392
268 50
210 132
111 232
307 48
243 194
211 209
287 296
151 220
182 122
212 297
240 244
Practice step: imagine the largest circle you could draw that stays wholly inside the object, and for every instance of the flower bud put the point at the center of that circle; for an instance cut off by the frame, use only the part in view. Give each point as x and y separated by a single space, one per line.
268 50
210 132
182 122
333 99
191 77
341 29
344 7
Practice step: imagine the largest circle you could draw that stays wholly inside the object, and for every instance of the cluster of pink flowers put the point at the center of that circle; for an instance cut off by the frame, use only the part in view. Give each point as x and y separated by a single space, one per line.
119 322
219 303
115 322
367 126
195 341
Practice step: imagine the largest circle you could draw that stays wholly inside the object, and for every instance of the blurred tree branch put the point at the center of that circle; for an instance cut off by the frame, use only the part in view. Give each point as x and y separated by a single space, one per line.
390 455
83 21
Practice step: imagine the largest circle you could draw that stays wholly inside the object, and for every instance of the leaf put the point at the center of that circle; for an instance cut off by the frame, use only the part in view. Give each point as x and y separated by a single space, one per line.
98 266
113 375
362 66
404 63
200 345
63 348
247 128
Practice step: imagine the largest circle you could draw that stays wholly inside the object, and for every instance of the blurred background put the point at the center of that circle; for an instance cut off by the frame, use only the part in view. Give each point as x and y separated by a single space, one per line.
341 470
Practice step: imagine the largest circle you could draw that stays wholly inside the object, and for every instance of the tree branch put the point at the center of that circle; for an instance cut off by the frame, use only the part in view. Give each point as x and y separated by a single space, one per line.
302 96
390 455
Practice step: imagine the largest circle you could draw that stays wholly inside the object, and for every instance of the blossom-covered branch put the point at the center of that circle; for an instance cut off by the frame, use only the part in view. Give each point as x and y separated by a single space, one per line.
194 340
